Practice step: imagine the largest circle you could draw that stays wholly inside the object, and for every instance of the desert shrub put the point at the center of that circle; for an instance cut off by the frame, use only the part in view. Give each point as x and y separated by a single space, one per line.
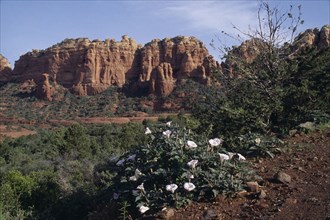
270 93
174 155
242 106
10 207
77 141
255 145
46 193
131 135
307 94
54 170
16 190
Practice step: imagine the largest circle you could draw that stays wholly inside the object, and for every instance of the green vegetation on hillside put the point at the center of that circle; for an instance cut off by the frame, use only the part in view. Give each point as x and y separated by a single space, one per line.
57 169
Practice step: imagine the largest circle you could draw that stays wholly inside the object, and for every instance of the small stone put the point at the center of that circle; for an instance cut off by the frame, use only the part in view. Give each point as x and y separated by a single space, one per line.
262 204
282 177
262 194
242 193
210 214
293 132
252 186
167 214
291 201
258 178
309 126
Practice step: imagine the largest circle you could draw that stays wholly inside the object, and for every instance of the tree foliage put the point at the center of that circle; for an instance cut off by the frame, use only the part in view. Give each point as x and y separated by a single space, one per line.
263 89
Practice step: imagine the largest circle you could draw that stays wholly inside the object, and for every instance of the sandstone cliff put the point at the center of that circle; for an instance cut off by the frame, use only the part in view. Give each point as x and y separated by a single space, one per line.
5 69
83 66
162 81
184 54
168 60
89 67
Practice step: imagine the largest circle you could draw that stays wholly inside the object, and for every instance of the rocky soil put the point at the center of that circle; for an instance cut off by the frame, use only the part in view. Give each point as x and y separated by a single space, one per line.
304 193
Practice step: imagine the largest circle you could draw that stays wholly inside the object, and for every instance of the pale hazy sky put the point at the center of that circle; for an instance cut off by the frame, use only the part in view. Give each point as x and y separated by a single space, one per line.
33 24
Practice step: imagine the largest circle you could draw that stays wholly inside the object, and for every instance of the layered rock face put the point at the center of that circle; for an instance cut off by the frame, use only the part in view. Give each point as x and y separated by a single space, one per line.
185 55
83 66
5 69
162 81
90 67
166 61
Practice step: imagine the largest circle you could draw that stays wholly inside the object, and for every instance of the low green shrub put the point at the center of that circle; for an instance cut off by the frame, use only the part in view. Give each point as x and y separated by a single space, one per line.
174 168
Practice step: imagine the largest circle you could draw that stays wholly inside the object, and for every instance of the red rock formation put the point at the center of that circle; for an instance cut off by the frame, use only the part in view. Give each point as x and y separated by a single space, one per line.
83 66
5 69
88 68
165 61
44 89
28 86
185 55
162 81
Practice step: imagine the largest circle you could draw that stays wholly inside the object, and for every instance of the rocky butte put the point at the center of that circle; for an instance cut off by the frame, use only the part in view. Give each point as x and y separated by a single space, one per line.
89 67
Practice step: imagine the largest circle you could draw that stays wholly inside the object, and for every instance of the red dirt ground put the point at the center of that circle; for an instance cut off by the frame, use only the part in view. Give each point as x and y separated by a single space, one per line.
307 196
91 120
13 131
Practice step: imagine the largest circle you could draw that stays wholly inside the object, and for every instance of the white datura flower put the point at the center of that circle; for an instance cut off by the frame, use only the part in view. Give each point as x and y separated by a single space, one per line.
223 157
171 187
133 178
230 154
241 157
190 176
192 163
140 187
120 162
138 173
189 186
191 144
147 131
215 142
257 140
167 133
169 123
143 209
132 157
